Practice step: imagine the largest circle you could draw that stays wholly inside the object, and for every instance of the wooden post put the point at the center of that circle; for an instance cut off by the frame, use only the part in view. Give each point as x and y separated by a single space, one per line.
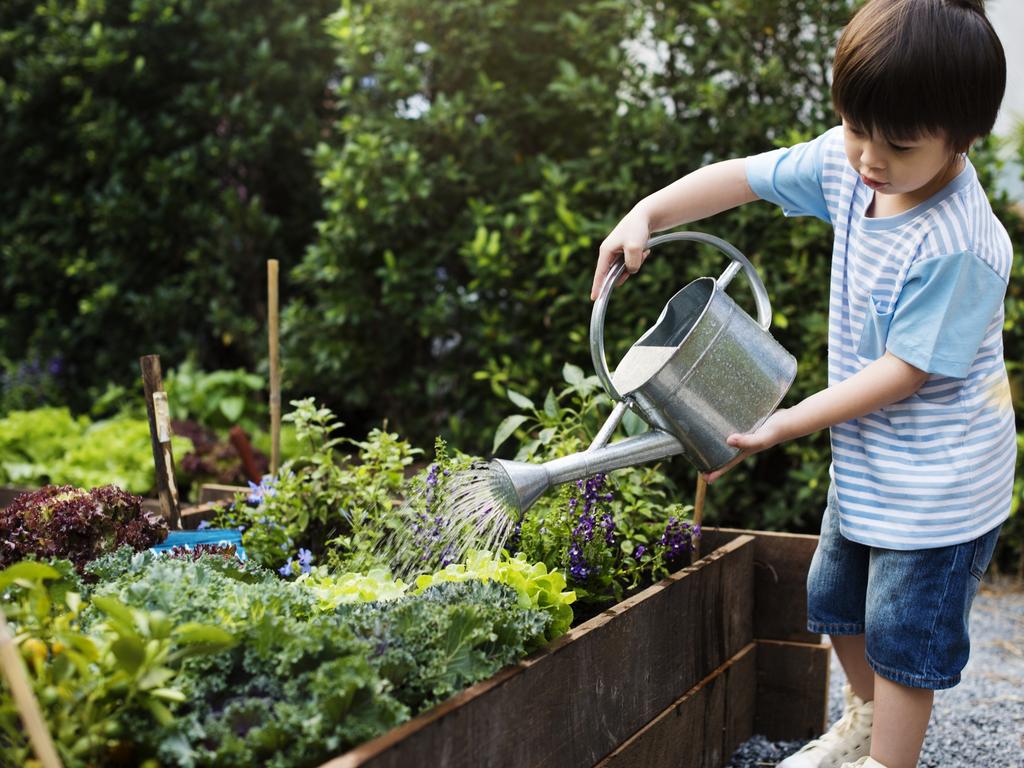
25 700
160 435
698 511
244 450
273 320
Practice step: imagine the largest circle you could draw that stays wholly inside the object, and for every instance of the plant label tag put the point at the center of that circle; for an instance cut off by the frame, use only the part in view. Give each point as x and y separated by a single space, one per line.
162 415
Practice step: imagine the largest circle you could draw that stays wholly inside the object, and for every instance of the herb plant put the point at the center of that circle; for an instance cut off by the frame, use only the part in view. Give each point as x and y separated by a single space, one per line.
607 533
98 689
331 503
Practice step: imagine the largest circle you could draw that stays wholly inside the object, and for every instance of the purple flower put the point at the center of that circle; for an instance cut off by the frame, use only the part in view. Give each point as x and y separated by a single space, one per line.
305 560
265 489
677 538
639 551
203 525
286 569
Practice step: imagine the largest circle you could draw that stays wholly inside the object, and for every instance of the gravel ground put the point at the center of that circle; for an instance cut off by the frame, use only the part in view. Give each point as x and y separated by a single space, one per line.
979 722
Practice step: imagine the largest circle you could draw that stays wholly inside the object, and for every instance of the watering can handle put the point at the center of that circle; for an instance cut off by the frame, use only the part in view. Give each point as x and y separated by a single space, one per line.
764 307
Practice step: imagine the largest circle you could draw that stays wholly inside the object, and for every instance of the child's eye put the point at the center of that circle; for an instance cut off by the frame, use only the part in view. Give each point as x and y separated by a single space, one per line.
898 148
854 130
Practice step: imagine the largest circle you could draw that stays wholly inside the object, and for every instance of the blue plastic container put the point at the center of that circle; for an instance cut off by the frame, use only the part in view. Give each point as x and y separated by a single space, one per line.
189 539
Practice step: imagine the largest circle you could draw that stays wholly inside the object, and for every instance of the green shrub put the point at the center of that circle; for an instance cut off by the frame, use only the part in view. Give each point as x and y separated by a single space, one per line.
155 154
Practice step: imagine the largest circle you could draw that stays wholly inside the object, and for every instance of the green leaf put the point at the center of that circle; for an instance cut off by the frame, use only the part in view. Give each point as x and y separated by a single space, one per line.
232 408
30 570
115 609
572 374
130 652
168 694
206 634
505 430
521 400
160 713
551 404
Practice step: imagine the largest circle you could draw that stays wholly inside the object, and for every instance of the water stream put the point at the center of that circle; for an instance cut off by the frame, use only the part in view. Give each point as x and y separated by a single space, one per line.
440 524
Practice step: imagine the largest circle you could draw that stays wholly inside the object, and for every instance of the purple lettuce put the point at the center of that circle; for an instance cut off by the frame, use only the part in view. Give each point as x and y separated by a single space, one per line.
77 525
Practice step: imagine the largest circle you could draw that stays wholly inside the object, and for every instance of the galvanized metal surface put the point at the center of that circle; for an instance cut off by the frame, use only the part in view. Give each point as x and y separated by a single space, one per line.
727 374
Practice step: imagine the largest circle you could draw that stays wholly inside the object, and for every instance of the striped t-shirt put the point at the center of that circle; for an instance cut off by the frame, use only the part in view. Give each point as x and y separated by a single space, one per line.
927 285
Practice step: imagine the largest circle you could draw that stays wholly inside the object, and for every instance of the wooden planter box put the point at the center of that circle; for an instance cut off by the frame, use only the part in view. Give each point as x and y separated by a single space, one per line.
677 675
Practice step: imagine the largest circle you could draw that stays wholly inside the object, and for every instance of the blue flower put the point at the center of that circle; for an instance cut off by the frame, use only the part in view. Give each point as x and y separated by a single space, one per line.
265 489
305 560
203 525
286 569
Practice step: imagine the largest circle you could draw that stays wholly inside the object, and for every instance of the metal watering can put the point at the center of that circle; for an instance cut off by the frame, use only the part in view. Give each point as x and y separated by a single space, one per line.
705 370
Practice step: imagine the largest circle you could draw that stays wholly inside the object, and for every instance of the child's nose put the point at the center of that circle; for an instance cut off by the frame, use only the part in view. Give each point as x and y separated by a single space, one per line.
871 156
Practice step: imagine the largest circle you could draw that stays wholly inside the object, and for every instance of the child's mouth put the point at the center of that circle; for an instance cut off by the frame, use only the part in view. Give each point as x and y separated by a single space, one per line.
872 183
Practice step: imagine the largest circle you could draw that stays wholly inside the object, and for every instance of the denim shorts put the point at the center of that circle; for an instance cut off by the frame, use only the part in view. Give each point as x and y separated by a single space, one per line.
912 606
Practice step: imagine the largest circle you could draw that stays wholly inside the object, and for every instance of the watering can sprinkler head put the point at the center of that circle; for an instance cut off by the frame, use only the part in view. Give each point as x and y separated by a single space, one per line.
518 484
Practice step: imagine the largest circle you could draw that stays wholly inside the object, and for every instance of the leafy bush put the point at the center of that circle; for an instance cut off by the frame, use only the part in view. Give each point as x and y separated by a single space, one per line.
76 525
608 533
324 500
33 442
218 400
292 681
100 689
48 445
155 154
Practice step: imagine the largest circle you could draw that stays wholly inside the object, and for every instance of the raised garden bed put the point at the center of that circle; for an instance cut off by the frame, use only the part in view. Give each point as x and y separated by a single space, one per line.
679 674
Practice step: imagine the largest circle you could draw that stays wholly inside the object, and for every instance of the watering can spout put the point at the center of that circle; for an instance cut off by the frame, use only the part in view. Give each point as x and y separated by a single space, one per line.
521 483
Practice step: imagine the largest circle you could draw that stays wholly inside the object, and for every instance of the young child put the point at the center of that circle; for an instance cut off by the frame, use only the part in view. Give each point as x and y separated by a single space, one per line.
922 426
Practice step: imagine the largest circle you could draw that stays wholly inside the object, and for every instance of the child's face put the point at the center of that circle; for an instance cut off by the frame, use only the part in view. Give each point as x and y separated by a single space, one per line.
917 168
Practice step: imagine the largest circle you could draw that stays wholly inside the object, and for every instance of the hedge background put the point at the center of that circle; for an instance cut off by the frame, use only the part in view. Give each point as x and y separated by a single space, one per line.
435 178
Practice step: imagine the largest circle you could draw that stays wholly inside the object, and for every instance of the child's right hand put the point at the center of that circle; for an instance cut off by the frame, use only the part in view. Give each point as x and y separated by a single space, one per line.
628 238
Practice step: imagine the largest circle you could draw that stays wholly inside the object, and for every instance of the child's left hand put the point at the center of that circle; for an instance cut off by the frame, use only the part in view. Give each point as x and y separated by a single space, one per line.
772 432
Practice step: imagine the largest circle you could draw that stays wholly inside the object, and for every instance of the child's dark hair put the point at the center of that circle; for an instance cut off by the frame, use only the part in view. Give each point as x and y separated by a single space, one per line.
907 68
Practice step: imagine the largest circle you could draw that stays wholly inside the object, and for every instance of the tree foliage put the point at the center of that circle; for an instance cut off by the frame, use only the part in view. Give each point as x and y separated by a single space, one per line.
155 154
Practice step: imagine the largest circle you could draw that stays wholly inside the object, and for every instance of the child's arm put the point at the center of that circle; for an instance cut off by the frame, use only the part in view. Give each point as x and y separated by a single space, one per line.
885 381
705 192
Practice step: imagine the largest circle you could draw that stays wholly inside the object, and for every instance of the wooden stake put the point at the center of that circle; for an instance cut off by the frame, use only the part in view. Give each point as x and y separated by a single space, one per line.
698 511
160 436
273 321
244 450
25 699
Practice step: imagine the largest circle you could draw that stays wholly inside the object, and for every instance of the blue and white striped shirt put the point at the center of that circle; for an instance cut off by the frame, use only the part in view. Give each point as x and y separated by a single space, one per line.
927 285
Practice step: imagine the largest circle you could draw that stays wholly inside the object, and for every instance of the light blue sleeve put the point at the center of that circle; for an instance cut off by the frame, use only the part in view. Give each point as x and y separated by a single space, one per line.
791 178
940 318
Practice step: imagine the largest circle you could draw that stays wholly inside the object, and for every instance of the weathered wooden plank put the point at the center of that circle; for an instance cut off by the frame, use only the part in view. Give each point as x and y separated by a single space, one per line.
792 689
573 703
703 727
781 562
192 516
209 492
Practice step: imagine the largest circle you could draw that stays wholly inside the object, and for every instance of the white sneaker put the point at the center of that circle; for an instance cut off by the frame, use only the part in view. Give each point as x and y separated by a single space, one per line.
848 741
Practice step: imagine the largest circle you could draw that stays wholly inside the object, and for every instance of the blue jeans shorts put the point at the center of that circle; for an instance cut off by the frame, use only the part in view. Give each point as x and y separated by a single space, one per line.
912 606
